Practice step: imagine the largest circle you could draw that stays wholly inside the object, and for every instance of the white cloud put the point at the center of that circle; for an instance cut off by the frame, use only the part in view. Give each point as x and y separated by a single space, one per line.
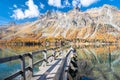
84 3
42 6
15 6
59 3
75 3
66 3
31 12
18 14
87 3
55 3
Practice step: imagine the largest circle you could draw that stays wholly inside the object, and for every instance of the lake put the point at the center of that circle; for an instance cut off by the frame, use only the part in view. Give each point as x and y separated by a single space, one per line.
8 68
104 59
99 62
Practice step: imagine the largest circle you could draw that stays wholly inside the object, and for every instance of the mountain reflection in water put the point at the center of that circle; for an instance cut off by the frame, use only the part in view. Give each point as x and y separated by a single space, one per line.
6 51
103 61
99 62
8 68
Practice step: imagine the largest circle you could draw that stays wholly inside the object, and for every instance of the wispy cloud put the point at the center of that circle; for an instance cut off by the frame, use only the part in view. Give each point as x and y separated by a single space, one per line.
84 3
15 6
58 3
76 3
66 3
87 3
3 20
31 12
55 3
42 6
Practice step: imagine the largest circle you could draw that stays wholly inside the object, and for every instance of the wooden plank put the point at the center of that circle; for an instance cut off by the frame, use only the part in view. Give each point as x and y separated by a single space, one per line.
7 59
14 75
43 77
22 58
26 54
27 68
38 52
31 64
37 62
23 67
63 70
53 70
54 74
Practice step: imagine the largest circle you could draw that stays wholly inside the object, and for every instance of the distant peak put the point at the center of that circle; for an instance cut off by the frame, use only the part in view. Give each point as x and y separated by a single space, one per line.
106 5
49 12
77 8
109 6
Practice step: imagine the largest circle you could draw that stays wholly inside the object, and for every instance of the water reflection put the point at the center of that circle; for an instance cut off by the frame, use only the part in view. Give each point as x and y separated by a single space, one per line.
6 51
102 61
6 69
99 62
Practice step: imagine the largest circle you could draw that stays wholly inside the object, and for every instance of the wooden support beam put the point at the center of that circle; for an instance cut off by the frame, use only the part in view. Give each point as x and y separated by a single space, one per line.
22 59
31 64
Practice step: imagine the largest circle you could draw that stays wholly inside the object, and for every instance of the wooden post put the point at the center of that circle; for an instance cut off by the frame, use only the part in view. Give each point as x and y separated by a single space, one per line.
109 58
45 55
23 67
54 55
60 51
31 64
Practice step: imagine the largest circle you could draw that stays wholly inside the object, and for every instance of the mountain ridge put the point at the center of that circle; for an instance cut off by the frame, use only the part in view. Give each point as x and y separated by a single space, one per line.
101 23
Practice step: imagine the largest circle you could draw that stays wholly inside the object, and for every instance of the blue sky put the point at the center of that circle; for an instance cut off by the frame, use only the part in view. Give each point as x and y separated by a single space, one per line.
21 11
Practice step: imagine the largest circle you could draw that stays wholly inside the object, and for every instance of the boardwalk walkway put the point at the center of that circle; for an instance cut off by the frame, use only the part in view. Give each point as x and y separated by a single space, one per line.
54 67
49 71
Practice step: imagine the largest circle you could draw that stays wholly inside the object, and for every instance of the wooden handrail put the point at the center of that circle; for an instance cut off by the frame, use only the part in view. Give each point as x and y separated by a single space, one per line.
14 75
64 69
7 59
22 59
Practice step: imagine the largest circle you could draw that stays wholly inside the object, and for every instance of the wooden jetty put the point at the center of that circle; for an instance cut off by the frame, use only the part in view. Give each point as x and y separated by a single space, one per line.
54 66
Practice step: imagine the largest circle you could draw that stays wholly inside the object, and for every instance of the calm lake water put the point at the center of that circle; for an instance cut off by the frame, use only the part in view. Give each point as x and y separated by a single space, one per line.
99 62
8 68
104 59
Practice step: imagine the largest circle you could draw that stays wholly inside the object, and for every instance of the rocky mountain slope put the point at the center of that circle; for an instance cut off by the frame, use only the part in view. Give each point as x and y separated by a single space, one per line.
101 23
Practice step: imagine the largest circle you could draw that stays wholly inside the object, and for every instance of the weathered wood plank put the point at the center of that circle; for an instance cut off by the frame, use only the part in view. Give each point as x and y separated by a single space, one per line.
23 70
63 72
23 67
14 75
7 59
37 62
37 52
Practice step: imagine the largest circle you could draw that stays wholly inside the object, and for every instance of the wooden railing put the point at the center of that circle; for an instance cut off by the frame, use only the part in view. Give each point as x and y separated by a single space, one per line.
24 69
66 63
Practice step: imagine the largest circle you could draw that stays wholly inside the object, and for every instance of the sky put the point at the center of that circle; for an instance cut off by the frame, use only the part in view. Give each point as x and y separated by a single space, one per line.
21 11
